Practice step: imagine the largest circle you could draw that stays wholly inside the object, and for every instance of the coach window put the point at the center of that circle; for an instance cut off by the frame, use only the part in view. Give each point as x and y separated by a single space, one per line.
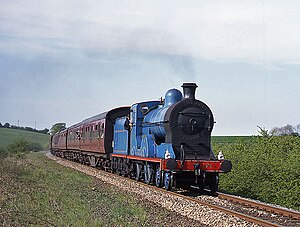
98 130
92 131
95 131
102 131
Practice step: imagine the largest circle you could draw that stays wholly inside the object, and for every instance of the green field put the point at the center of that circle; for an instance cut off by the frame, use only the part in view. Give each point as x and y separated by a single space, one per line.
229 139
9 136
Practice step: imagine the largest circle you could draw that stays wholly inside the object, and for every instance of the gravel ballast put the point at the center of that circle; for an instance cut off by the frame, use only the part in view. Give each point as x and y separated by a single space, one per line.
183 212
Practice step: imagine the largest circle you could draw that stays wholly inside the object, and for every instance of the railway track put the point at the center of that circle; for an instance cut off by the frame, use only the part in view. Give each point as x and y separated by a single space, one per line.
262 206
286 217
255 211
255 220
292 218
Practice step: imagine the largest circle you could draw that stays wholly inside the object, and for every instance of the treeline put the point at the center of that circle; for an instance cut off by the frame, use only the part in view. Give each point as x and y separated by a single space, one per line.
265 168
287 130
7 125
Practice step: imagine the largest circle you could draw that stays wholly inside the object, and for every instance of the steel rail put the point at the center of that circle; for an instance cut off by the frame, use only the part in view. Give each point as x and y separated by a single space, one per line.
243 216
260 205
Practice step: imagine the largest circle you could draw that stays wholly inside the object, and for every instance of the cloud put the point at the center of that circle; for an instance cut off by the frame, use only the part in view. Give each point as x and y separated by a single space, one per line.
256 31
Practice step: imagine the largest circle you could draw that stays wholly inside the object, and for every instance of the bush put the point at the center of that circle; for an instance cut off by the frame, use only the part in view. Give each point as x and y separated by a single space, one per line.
19 145
23 146
35 147
264 168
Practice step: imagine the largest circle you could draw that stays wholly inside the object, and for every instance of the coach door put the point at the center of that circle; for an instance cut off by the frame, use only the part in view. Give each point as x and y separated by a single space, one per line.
101 131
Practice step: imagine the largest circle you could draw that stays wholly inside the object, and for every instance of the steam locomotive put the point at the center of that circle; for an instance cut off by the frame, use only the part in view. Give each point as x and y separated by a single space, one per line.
166 143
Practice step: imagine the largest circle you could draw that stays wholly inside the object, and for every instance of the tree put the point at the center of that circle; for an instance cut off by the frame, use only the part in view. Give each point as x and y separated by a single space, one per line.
29 129
275 131
1 125
288 130
285 130
6 125
57 128
45 131
263 131
298 129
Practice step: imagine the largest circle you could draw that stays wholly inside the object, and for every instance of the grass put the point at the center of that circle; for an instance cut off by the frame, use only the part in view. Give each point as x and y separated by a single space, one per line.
37 191
9 136
229 139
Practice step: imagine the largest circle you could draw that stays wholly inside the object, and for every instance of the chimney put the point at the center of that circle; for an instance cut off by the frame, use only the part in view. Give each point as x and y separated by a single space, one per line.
189 90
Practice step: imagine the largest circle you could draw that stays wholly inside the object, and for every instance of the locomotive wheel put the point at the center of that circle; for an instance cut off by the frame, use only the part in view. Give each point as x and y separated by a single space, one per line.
125 168
119 166
158 177
148 173
138 172
201 183
201 187
168 181
131 170
213 183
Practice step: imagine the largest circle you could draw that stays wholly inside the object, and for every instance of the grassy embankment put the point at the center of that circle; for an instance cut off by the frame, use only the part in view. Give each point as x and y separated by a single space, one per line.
37 191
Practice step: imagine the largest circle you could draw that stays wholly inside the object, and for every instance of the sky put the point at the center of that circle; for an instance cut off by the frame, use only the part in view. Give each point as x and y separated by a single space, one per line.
64 61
